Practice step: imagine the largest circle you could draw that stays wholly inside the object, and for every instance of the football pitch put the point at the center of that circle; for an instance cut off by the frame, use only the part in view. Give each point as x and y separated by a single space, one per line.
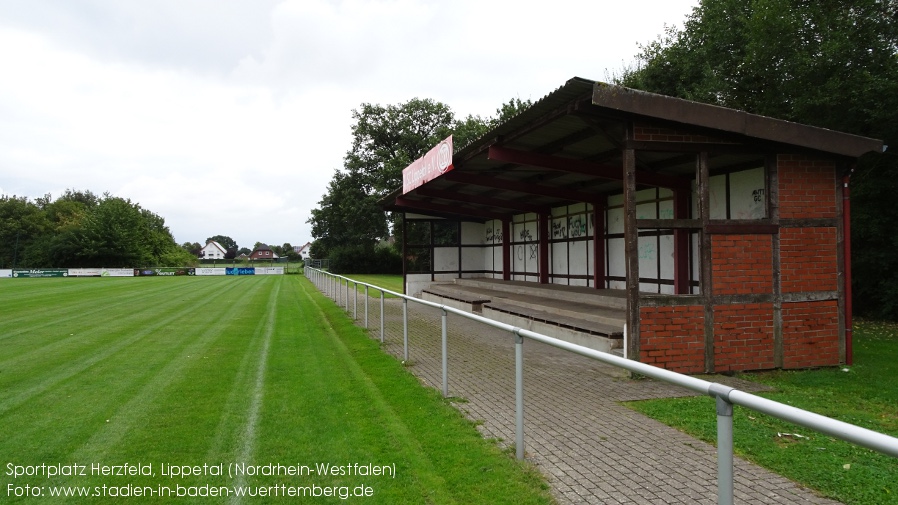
222 390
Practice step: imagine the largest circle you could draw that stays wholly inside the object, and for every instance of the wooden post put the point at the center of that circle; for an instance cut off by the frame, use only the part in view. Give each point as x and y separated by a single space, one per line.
543 239
506 249
771 199
598 242
681 243
704 208
631 248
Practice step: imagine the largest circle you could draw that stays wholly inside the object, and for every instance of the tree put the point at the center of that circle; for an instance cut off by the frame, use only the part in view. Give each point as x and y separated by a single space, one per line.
22 223
224 240
832 64
347 214
386 139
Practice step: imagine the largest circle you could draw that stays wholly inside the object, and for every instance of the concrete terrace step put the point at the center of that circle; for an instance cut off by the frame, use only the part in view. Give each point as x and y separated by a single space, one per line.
580 324
580 315
581 294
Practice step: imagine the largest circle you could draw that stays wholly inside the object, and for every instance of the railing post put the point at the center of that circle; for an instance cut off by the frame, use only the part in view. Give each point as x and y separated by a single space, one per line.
355 301
404 329
445 359
721 395
381 316
366 306
519 394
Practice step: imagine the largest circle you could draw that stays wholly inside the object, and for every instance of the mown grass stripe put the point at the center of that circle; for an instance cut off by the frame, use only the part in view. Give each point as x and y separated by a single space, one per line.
81 301
100 350
124 419
263 332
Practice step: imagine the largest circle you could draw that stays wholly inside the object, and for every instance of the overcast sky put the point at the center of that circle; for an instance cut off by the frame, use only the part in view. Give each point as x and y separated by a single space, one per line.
229 117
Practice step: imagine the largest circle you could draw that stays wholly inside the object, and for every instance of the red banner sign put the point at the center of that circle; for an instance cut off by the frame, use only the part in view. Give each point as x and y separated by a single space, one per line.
436 162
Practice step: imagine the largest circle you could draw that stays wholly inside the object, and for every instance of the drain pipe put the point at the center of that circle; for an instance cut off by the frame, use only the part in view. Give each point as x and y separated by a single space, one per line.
846 229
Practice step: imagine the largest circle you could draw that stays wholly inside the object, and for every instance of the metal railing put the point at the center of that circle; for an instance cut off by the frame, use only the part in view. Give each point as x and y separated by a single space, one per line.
337 287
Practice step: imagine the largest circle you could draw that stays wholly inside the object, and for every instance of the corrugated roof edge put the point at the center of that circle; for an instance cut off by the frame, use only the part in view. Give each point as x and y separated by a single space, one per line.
688 112
571 89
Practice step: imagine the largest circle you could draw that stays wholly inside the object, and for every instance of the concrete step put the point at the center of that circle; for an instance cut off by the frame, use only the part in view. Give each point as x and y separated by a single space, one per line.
580 294
598 314
580 324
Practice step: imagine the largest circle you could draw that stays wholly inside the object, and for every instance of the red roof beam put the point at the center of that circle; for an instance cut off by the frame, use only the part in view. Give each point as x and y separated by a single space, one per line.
570 165
521 187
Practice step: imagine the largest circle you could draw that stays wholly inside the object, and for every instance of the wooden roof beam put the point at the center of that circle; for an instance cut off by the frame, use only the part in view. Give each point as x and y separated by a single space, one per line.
407 205
481 200
521 187
610 172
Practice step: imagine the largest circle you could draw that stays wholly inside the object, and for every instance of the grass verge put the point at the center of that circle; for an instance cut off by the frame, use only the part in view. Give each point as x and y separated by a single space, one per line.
193 373
391 282
863 394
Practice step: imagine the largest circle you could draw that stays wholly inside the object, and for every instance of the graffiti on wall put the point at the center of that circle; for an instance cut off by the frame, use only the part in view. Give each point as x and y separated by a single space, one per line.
647 251
494 235
576 226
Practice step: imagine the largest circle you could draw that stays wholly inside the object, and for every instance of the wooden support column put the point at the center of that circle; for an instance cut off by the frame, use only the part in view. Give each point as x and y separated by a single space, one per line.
681 243
631 249
404 256
773 212
543 248
598 242
704 208
506 249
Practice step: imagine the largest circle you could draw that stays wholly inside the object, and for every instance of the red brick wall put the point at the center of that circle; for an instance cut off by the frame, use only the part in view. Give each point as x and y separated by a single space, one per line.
673 337
741 264
810 334
743 337
807 187
808 259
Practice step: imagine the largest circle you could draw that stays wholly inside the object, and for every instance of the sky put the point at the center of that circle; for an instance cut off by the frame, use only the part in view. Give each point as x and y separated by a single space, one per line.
229 117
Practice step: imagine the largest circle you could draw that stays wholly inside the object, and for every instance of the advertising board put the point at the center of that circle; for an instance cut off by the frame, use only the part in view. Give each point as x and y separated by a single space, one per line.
85 272
118 272
163 272
435 163
41 272
210 271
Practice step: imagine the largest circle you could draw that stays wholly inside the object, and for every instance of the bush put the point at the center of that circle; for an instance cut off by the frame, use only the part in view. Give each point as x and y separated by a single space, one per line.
364 259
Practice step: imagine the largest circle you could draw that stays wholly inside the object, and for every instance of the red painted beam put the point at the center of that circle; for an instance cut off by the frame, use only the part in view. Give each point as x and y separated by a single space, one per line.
413 205
582 167
520 187
480 200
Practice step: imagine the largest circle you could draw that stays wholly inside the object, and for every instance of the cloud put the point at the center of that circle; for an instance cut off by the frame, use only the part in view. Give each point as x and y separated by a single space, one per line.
230 116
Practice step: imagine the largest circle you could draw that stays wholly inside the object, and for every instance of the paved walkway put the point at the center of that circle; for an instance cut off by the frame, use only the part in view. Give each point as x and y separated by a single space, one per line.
590 448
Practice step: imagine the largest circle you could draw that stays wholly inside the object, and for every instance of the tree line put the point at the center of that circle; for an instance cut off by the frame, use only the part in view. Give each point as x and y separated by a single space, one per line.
81 229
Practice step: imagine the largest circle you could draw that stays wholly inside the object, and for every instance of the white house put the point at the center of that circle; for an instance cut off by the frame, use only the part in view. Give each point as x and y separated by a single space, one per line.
303 251
212 251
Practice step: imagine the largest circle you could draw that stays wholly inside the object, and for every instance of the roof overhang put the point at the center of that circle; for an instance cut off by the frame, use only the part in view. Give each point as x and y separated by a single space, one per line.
567 148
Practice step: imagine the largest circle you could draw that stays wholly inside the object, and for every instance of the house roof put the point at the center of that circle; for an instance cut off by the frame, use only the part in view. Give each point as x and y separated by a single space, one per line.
262 248
568 147
216 245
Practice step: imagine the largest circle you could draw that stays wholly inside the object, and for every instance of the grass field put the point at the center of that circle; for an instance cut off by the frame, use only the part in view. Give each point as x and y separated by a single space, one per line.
865 394
194 375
